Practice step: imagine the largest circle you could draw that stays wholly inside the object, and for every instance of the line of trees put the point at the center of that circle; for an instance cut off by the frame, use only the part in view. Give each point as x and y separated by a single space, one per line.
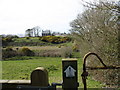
96 31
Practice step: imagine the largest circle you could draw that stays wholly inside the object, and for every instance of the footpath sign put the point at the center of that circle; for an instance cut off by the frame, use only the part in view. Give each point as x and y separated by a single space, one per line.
70 72
70 76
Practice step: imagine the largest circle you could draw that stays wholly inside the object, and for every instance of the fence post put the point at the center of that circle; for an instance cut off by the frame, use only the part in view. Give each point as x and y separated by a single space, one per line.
69 71
39 77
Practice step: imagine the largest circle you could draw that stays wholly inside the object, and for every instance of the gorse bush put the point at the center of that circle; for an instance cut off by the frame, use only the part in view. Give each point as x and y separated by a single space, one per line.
55 39
26 52
34 41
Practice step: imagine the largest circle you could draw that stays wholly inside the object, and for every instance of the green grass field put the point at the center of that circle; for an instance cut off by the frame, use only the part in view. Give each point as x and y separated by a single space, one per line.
19 68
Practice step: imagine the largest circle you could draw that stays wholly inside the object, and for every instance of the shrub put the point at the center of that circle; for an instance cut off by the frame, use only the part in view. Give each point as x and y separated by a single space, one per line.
48 53
27 37
9 49
66 52
8 52
59 46
39 38
8 39
26 52
75 48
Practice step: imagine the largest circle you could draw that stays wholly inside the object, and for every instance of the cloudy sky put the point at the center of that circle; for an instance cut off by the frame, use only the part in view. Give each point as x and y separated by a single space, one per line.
16 16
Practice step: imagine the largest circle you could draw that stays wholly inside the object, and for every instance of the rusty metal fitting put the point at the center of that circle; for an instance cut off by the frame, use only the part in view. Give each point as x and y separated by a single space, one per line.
84 74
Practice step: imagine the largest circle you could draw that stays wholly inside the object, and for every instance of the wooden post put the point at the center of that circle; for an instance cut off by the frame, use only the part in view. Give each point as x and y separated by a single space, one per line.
69 71
39 77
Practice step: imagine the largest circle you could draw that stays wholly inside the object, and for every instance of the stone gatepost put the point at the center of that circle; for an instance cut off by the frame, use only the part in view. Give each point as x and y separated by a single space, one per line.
39 77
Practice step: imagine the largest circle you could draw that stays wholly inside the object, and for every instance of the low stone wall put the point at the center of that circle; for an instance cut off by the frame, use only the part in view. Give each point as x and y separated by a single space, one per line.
14 83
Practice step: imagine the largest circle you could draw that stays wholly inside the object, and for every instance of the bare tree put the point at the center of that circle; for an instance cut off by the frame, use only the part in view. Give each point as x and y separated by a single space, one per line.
35 31
96 31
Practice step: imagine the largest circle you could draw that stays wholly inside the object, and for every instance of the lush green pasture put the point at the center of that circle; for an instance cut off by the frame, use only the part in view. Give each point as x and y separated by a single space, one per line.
20 69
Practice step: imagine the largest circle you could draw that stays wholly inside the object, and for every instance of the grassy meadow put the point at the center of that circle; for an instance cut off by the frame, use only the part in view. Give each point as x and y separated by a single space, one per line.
19 68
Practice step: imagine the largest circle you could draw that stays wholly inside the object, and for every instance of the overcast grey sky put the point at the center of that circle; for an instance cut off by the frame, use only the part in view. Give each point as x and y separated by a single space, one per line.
16 16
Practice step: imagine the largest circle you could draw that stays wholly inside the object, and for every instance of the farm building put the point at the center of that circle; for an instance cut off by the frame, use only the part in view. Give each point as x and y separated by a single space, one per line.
46 33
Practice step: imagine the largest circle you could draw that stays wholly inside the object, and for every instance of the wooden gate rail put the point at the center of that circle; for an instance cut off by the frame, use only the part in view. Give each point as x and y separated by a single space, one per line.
85 73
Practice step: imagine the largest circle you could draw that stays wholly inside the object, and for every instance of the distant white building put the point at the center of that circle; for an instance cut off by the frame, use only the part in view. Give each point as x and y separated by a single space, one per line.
59 34
56 33
46 33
